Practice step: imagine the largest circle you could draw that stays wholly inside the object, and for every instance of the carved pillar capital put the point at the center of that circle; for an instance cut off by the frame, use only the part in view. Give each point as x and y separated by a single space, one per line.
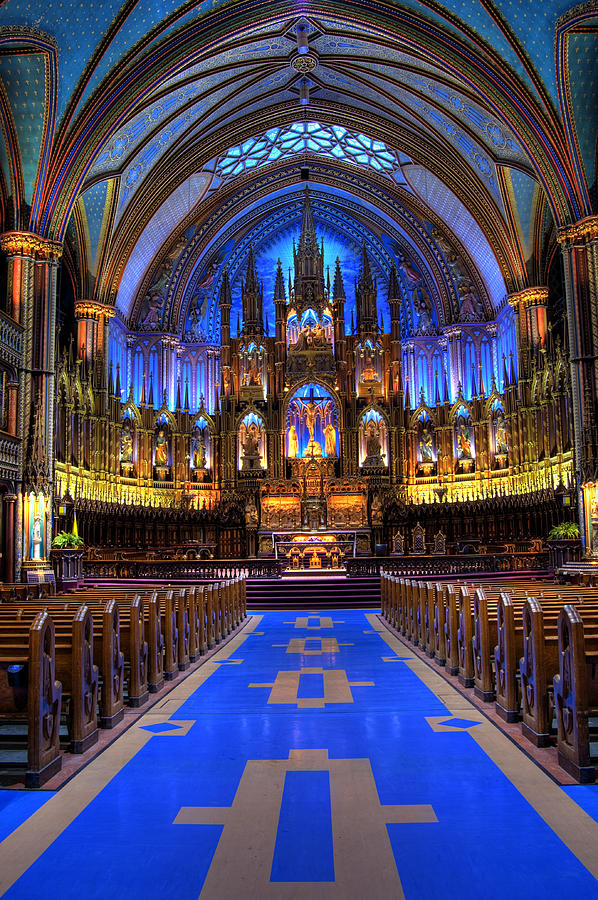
579 233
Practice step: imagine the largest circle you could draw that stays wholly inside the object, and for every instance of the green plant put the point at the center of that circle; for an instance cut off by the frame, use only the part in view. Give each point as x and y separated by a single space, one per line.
66 540
564 530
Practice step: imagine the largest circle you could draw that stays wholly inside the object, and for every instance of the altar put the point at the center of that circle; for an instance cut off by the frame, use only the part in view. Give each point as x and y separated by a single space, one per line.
316 550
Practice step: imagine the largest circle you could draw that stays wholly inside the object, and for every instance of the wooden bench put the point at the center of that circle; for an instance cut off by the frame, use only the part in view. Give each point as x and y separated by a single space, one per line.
31 645
74 667
576 693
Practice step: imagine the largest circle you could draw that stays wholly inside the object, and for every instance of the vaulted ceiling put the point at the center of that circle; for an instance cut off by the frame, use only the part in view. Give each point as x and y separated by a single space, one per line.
140 130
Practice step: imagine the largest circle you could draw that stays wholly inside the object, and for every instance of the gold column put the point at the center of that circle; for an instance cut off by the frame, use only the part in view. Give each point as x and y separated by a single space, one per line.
579 246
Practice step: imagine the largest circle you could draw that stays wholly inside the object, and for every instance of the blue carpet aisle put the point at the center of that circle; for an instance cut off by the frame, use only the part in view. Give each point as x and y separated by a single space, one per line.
308 759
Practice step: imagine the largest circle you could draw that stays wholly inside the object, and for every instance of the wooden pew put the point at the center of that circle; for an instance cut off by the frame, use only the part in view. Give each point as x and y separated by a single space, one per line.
106 649
74 667
576 693
32 646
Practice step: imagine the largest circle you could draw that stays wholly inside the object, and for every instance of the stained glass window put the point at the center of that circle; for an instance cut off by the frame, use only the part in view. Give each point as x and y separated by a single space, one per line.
315 137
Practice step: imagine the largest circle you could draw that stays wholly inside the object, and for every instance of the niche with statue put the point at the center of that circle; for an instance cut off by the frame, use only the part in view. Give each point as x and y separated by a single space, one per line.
200 456
162 451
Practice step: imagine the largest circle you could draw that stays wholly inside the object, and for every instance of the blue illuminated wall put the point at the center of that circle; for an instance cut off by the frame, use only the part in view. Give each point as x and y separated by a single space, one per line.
478 353
280 246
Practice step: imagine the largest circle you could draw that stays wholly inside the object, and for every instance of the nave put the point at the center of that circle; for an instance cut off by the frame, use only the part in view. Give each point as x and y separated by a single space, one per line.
313 756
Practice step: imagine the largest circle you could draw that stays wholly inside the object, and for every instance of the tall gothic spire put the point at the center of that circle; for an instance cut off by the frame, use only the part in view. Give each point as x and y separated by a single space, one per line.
251 280
226 298
309 288
367 313
279 294
394 292
308 241
252 296
366 282
338 290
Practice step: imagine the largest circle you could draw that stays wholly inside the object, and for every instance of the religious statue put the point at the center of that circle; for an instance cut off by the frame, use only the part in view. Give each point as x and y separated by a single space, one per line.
254 375
426 445
330 439
310 411
469 304
199 452
501 439
423 307
251 458
463 441
251 514
161 449
36 538
369 372
126 444
373 446
376 510
293 439
252 442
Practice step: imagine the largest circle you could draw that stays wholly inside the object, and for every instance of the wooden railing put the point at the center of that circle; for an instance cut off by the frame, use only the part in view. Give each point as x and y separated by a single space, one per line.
173 569
435 566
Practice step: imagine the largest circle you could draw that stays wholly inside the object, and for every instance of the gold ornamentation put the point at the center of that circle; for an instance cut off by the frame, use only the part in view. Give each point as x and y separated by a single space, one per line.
585 229
304 64
25 243
532 296
91 309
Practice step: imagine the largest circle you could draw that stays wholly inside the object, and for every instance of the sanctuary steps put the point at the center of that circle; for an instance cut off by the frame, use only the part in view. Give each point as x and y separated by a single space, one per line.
334 591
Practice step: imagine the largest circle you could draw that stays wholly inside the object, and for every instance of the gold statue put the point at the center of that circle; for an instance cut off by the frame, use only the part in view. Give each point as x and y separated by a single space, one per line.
293 443
330 439
161 454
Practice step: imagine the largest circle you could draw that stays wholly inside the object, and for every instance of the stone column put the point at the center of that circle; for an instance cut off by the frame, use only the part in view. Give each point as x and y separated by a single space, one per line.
31 300
579 247
530 317
92 335
9 538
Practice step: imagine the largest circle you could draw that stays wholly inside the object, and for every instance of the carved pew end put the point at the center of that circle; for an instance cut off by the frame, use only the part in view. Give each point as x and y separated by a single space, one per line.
507 715
486 696
136 702
538 740
37 778
84 744
112 721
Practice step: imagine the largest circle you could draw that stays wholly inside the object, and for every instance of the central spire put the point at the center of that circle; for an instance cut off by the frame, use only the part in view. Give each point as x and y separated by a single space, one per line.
308 242
309 261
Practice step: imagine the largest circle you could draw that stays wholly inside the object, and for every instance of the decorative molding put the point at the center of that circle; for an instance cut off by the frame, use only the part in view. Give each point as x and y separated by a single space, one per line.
586 230
531 296
26 243
92 309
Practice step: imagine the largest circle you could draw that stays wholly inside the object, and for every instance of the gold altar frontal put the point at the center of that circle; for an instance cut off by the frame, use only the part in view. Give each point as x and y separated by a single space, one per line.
315 550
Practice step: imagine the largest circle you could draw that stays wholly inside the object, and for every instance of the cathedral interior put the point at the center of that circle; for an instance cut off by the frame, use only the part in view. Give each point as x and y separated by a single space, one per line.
269 271
299 306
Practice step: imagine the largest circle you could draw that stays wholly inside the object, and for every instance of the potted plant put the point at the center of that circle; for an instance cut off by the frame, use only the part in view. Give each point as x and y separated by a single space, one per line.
67 559
564 544
67 540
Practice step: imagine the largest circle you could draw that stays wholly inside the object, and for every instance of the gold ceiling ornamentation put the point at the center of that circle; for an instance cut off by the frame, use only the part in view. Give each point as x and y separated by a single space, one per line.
304 64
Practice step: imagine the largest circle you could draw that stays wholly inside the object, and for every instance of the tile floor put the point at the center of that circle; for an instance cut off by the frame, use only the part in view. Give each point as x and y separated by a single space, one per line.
312 757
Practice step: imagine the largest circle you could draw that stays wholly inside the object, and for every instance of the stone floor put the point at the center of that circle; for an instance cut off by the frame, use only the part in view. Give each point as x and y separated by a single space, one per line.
314 756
